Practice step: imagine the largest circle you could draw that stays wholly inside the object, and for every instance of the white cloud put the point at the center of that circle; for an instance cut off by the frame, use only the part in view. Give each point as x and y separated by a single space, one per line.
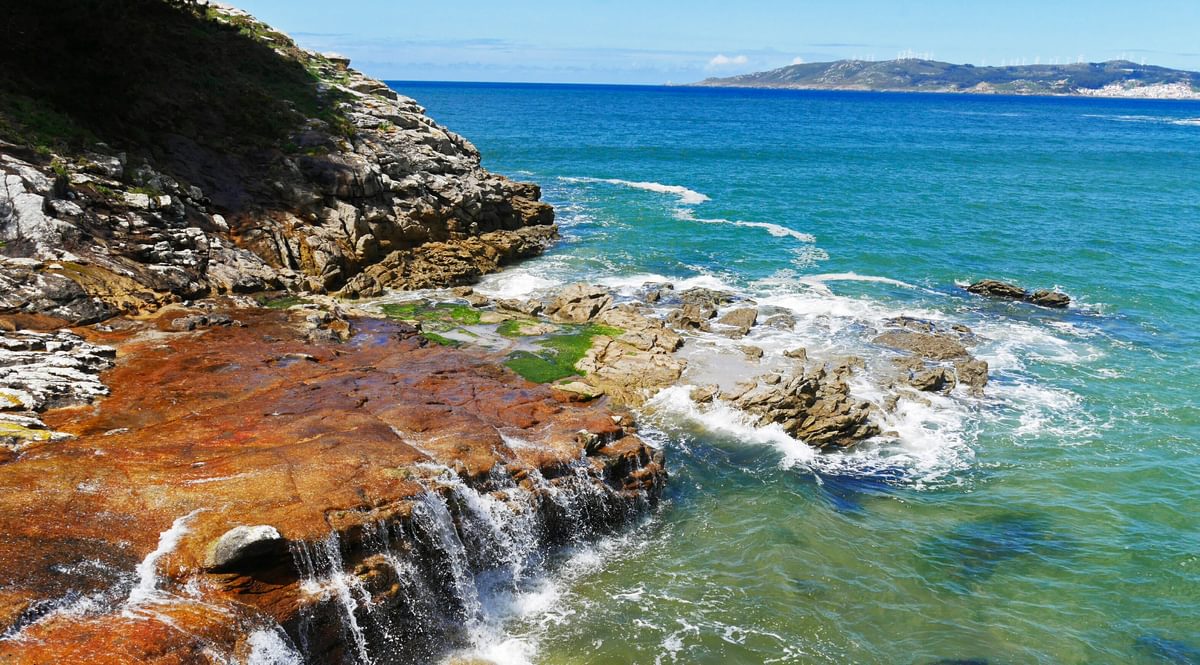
797 61
721 60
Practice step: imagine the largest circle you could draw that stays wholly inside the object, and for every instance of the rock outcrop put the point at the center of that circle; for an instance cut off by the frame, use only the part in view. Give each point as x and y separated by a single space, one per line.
814 406
938 359
360 193
997 289
243 478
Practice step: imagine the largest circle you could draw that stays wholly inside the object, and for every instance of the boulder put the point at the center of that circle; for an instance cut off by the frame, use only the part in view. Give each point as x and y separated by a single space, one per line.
741 319
691 316
1052 299
1042 297
781 321
579 303
972 373
242 544
997 289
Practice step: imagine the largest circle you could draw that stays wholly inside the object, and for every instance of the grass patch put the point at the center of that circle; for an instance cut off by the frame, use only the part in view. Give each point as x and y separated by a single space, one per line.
440 340
512 327
561 353
462 315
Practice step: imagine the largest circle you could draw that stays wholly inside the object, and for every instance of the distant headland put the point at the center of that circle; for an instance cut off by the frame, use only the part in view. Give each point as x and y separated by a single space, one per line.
1115 78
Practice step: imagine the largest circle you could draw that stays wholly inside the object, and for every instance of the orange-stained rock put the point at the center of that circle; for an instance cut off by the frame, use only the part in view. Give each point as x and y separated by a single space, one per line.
255 425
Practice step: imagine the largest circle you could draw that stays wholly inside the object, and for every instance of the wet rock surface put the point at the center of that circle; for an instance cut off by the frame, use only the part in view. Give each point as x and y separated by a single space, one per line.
996 289
40 371
814 406
274 461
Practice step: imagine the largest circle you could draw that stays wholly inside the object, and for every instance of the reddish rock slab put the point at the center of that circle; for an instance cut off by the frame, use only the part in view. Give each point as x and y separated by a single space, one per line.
255 425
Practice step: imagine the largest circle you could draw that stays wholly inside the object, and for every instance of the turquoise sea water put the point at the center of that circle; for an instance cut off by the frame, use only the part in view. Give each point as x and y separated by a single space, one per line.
1054 520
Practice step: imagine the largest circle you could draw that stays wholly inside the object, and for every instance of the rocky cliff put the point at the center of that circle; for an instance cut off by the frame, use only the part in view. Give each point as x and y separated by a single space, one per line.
218 157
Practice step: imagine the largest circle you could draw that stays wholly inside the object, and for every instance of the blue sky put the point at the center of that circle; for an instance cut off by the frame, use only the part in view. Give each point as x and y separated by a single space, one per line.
622 41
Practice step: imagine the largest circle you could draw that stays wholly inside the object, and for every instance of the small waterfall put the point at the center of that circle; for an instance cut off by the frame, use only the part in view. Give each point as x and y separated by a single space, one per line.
325 577
145 591
447 576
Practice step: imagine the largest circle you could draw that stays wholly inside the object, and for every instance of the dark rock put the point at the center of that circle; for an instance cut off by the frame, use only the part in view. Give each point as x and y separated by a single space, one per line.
997 289
1053 299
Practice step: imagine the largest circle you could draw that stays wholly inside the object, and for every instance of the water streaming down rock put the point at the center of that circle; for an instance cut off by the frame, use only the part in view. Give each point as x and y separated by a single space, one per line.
444 576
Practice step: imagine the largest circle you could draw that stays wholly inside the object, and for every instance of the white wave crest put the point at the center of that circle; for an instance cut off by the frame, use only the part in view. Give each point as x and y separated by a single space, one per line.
686 196
776 230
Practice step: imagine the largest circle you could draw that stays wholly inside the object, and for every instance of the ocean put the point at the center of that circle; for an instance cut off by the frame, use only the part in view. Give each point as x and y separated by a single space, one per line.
1055 519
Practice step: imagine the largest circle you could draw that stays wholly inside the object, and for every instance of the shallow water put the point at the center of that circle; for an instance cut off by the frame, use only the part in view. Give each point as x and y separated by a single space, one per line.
1055 520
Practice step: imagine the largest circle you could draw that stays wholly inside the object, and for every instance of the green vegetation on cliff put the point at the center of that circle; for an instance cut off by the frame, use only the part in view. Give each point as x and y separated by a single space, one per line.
139 73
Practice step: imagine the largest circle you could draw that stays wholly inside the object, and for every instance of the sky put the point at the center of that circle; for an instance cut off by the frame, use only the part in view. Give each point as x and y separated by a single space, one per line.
680 41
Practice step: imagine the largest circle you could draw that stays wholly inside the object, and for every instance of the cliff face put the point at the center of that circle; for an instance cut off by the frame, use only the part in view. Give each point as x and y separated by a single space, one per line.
226 159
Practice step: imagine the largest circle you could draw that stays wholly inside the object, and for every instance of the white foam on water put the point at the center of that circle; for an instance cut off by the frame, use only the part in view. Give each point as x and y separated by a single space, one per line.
629 284
686 196
271 646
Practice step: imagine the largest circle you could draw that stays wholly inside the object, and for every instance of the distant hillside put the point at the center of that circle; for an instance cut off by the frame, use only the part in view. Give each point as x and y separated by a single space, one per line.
1115 78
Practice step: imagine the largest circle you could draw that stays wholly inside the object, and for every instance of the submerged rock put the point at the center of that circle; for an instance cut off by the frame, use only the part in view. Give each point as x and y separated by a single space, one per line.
933 346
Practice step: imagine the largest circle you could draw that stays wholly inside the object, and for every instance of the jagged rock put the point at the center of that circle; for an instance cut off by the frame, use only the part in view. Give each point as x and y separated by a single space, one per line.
526 307
640 331
40 371
972 373
579 303
576 391
1042 297
1047 298
707 298
799 353
629 374
196 321
437 264
691 316
815 407
781 321
752 352
704 394
462 291
476 300
933 346
242 544
653 292
742 319
997 289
